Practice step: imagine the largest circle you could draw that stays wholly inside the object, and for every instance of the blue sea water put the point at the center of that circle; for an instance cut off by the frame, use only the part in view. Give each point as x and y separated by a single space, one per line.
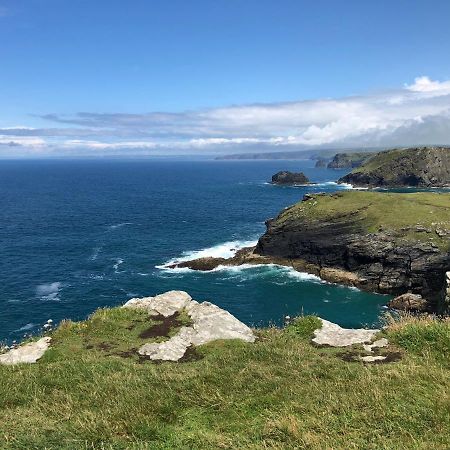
78 235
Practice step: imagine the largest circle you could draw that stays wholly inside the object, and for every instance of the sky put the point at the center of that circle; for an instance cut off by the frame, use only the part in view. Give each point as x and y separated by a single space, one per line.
165 77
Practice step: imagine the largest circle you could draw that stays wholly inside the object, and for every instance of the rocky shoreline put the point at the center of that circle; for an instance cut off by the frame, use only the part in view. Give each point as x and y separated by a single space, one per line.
342 247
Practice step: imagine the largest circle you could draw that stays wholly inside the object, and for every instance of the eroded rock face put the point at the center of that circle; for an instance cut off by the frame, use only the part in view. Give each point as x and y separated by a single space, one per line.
209 323
333 335
26 354
286 177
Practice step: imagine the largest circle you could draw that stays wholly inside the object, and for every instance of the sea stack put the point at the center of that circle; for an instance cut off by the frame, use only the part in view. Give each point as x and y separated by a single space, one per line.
286 178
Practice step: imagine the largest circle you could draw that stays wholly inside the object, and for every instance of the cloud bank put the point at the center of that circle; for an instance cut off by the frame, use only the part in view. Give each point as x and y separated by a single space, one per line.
416 114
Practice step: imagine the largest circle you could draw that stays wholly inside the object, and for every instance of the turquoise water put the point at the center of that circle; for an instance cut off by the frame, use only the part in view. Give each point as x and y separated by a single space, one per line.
78 235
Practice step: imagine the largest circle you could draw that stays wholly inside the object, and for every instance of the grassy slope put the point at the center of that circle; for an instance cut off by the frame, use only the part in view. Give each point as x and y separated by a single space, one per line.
372 210
380 159
280 392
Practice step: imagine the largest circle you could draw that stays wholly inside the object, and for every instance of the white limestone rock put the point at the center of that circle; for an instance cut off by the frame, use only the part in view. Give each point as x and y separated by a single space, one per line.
211 323
26 354
371 359
166 304
380 343
171 350
333 335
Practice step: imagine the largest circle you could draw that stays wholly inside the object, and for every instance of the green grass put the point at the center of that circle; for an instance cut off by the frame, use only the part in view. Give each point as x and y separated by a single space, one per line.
378 210
280 393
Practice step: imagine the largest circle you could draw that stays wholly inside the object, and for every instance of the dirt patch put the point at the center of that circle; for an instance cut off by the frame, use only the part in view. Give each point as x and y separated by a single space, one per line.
191 355
163 328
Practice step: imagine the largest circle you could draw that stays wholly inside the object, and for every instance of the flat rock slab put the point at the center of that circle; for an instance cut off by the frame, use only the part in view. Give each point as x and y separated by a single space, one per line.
372 359
380 343
209 323
26 354
335 336
166 304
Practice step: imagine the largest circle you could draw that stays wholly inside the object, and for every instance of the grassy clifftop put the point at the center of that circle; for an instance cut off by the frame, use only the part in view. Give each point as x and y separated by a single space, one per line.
416 216
91 391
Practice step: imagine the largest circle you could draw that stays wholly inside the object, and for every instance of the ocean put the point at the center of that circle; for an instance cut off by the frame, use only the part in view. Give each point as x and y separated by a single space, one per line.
79 235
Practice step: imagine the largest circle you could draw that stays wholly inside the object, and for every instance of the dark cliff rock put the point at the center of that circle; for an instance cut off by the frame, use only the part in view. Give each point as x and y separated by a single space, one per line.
321 163
348 160
391 250
416 167
286 177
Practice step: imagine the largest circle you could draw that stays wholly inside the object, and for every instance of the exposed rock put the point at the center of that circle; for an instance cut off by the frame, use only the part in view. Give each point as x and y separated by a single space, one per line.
171 350
166 304
333 335
380 343
417 167
348 160
209 323
409 302
27 353
286 177
371 359
202 264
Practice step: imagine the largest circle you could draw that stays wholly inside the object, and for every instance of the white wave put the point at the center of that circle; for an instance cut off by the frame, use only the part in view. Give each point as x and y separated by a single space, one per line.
26 327
119 225
116 265
224 250
95 253
49 291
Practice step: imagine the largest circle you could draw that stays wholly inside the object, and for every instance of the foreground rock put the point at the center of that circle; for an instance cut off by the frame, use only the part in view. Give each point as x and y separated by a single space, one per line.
209 323
392 250
286 177
27 353
415 167
333 335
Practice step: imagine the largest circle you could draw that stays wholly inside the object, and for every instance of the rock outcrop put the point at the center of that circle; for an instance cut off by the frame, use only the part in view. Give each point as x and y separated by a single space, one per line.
286 177
409 302
348 160
333 335
27 353
416 167
209 323
321 163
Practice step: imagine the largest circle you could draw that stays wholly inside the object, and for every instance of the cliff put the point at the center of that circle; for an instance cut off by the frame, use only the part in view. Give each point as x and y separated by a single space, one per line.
416 167
393 243
348 160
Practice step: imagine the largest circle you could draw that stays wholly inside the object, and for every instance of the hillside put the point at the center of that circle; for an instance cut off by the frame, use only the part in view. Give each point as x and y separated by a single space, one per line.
349 160
416 167
91 390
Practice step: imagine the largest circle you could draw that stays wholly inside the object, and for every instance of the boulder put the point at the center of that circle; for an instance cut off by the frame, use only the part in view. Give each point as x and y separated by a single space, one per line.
409 302
26 354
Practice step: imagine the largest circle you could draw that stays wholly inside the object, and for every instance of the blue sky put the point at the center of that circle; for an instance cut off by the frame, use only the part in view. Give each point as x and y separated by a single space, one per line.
154 76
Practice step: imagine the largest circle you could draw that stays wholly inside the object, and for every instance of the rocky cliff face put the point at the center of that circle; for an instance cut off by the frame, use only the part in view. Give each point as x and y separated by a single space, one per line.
348 160
361 233
286 177
417 167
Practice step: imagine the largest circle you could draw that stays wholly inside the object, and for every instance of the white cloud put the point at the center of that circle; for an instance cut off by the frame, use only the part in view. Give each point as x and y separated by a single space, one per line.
416 114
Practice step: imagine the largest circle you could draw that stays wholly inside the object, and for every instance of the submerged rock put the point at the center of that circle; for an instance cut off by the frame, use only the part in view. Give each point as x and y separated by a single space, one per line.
27 353
335 336
286 177
209 323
